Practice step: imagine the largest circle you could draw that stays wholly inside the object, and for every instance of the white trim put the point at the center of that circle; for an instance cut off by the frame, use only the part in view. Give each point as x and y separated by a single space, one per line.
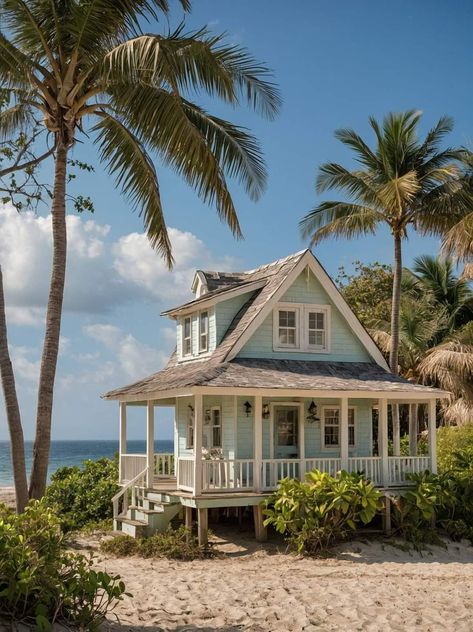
200 350
194 306
302 311
337 299
336 448
212 426
184 338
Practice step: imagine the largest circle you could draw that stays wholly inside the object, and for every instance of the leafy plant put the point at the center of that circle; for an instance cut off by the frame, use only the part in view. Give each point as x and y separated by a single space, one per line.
83 496
177 544
41 582
455 448
322 510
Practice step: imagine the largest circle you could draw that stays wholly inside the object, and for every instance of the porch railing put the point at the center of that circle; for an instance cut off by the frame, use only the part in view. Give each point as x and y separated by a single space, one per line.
185 473
130 492
132 465
227 474
164 465
400 466
369 465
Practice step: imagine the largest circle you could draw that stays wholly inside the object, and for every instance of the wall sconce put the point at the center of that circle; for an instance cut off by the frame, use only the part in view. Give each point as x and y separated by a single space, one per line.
248 408
207 417
265 411
312 410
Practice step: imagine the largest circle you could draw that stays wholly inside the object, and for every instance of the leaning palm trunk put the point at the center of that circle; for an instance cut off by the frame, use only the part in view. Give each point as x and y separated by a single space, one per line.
13 411
396 305
42 443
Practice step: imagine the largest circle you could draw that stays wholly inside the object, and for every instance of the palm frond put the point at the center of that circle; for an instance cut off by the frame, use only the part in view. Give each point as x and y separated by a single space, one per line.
357 184
14 119
128 161
458 241
339 219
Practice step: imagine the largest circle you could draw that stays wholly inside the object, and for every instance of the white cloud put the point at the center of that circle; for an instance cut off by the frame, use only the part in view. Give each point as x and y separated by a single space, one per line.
100 274
134 357
24 365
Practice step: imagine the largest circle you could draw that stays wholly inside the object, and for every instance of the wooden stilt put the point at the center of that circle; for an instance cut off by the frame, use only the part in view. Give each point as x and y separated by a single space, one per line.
387 516
188 517
261 532
203 525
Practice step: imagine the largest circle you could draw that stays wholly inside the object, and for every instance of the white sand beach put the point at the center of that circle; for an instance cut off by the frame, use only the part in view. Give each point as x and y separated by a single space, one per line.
7 496
364 587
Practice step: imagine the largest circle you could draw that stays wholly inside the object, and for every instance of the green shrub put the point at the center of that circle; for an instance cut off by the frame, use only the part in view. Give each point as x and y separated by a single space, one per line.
322 510
455 448
422 446
41 582
177 544
83 496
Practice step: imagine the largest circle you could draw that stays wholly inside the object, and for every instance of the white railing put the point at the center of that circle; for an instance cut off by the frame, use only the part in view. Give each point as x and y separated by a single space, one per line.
131 465
329 465
273 470
185 474
227 474
400 466
164 465
369 465
133 489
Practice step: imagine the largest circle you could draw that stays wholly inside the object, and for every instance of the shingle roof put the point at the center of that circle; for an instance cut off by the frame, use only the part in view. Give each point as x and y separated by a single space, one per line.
222 280
273 374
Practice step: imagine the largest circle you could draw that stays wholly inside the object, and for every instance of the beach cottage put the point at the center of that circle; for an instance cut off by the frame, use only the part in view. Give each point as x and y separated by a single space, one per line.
272 376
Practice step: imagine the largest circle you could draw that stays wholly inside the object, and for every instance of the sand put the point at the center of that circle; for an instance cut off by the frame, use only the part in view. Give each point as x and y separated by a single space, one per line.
366 586
7 496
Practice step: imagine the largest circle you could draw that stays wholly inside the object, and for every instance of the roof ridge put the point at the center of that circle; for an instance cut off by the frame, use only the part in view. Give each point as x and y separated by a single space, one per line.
278 261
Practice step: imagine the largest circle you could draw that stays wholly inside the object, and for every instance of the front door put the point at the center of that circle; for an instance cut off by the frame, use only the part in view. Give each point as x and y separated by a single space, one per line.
286 432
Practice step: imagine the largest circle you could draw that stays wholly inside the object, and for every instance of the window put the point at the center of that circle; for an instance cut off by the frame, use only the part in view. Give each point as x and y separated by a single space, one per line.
187 336
190 428
203 332
316 328
301 327
216 421
287 327
331 427
286 426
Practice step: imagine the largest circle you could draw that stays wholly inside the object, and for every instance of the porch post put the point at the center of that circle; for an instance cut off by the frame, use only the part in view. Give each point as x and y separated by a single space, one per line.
432 421
150 443
344 433
258 442
383 440
396 429
413 414
198 414
122 442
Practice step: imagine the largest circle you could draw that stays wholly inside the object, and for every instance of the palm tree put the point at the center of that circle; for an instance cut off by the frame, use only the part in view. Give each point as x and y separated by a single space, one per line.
88 66
402 183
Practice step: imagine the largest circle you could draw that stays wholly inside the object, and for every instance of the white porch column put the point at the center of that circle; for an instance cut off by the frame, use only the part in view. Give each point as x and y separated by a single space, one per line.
344 433
383 440
396 429
258 442
198 416
122 442
413 414
149 443
432 421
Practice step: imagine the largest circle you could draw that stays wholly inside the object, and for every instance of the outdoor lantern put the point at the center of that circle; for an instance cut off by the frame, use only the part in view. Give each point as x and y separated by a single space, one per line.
265 411
190 411
248 407
312 410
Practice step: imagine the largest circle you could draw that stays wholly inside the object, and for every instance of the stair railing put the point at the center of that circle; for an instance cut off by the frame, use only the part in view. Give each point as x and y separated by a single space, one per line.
134 485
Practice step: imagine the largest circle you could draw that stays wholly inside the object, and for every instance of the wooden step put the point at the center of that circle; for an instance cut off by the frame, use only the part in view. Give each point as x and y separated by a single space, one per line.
134 528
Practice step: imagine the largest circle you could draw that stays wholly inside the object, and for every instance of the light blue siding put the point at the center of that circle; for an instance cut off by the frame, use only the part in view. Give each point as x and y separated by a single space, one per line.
225 312
345 346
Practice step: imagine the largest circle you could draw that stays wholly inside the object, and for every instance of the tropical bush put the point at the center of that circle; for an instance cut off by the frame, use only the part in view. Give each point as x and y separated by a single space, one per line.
322 510
177 544
41 583
455 448
83 495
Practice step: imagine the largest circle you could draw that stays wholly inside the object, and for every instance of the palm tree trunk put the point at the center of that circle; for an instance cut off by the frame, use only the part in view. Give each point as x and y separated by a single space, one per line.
396 305
39 469
413 429
13 411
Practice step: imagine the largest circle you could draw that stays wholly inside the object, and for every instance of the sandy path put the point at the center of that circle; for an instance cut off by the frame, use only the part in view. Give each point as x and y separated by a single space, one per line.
367 587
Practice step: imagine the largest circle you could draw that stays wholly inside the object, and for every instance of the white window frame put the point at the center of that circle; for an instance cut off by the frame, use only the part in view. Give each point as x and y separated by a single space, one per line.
212 426
331 448
302 311
190 422
206 333
183 338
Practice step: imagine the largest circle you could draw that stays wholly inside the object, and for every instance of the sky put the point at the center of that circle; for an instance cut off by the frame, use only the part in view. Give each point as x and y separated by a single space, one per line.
336 62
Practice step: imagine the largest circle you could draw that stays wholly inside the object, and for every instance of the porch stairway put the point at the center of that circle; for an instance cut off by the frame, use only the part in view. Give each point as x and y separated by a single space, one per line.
149 511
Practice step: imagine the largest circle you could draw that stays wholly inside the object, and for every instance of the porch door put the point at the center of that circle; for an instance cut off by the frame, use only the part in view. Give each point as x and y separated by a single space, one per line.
286 432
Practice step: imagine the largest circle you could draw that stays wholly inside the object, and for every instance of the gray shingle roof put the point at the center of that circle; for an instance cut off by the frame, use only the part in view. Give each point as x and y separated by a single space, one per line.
273 374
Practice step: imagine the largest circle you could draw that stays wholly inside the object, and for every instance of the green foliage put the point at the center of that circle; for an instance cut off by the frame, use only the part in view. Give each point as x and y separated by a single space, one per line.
177 544
83 496
41 582
422 446
322 510
455 448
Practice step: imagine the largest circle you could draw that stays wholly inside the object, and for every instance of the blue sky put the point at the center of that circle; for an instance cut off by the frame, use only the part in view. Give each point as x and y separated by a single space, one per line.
336 63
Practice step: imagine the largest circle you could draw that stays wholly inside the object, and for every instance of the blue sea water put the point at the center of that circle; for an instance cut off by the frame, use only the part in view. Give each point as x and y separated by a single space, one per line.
74 453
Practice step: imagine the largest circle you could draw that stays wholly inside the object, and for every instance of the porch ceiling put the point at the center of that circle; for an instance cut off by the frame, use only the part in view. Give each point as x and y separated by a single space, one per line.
271 374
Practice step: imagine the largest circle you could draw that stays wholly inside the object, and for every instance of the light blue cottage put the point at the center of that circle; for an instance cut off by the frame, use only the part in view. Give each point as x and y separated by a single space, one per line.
272 376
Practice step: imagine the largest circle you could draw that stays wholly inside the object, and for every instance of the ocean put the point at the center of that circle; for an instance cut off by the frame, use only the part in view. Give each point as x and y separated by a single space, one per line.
73 453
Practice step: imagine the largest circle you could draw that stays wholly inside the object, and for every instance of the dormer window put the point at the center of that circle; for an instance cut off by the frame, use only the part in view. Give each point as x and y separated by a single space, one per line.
187 336
301 327
203 332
